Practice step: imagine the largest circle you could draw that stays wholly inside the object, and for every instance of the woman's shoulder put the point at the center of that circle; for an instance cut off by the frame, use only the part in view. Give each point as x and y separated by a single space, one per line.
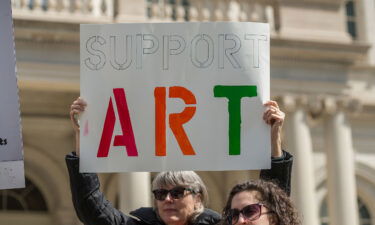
146 215
208 217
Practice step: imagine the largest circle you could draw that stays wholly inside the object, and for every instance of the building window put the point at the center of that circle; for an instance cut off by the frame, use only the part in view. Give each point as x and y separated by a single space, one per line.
24 199
351 18
364 213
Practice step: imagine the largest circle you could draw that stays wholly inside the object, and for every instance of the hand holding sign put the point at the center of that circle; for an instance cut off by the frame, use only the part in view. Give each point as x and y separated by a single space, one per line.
77 107
274 117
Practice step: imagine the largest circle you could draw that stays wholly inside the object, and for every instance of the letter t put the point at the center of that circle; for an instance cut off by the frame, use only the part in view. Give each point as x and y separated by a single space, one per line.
234 95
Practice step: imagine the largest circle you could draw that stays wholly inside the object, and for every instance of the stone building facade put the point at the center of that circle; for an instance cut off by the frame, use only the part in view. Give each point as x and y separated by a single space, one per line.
322 74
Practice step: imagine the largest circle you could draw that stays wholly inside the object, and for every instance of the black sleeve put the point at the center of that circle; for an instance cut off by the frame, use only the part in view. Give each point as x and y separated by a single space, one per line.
91 206
280 172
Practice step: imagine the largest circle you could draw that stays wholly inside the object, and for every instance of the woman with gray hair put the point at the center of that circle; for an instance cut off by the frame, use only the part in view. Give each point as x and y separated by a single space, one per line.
174 185
180 197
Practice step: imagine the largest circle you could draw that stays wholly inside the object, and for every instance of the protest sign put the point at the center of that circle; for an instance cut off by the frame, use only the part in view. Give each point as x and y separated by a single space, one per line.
11 154
177 96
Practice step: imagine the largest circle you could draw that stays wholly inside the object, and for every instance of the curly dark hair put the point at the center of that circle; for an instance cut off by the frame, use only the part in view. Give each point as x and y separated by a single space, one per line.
273 197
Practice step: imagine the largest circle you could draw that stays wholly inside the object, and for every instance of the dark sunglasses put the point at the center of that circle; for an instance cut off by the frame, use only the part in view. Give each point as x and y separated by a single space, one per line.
250 212
176 193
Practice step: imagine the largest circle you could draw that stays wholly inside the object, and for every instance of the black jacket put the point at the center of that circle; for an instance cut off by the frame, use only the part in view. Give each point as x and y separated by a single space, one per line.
93 209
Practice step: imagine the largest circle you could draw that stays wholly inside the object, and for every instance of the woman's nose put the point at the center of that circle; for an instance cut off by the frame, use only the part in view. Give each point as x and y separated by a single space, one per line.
241 219
168 198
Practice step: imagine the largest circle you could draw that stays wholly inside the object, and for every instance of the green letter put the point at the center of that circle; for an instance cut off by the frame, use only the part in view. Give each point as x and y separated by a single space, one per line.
234 95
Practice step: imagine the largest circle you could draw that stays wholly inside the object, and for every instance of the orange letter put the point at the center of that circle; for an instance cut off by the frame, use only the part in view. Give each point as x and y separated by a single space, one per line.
176 120
160 127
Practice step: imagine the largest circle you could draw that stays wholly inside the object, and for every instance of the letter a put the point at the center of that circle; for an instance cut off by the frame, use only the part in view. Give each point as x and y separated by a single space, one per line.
127 138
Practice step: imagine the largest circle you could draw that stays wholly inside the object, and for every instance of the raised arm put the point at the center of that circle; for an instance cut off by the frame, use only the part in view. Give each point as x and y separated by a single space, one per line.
274 117
281 167
77 107
89 202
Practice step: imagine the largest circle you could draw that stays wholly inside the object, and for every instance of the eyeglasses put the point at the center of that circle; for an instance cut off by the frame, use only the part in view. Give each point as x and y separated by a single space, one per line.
250 212
176 193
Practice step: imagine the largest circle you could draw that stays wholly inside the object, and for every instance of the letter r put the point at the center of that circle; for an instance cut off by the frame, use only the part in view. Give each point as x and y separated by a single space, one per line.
176 120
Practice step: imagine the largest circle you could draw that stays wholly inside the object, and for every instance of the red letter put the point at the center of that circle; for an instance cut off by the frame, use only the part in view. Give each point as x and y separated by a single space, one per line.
120 140
109 125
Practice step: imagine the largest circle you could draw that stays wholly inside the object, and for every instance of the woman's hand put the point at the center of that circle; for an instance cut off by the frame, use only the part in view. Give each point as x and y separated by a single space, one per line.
76 109
275 118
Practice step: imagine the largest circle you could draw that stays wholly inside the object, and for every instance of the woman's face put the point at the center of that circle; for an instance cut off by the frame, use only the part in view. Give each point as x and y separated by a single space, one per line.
177 211
245 198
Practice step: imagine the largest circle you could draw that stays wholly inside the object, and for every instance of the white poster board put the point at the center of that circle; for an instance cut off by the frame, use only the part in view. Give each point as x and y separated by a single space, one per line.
11 153
176 96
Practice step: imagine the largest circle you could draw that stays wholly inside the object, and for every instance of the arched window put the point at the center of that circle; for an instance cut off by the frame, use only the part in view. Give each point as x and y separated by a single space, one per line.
364 213
24 199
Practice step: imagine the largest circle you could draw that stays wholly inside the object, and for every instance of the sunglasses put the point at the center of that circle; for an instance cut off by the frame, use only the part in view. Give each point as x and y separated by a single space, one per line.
250 212
175 193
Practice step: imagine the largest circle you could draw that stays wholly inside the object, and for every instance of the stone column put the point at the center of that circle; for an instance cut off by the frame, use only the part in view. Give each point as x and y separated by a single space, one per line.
96 8
365 12
299 143
131 11
195 13
135 191
342 194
